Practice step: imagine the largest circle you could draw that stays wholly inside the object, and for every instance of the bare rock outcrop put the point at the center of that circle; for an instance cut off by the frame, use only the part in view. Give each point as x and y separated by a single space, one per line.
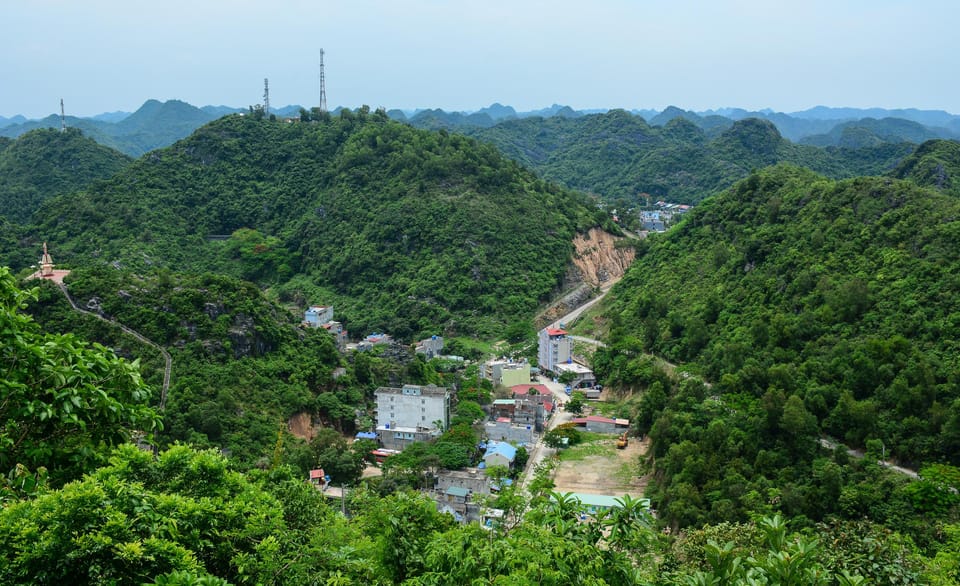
597 264
598 260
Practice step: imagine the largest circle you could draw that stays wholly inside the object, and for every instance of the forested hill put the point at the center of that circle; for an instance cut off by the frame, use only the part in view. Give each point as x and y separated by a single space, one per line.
404 230
815 308
45 163
935 164
619 156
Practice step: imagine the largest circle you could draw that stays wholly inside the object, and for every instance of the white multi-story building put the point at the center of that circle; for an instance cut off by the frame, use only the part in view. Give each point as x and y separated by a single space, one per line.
555 348
411 413
317 315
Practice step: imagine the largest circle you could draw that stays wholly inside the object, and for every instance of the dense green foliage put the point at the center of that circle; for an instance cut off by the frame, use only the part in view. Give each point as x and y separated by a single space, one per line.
403 230
241 367
816 308
45 163
63 403
620 157
935 164
186 518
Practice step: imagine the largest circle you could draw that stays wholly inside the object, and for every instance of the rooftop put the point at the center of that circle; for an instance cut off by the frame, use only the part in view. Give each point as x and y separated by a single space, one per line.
422 390
556 332
525 389
457 491
502 448
572 367
603 500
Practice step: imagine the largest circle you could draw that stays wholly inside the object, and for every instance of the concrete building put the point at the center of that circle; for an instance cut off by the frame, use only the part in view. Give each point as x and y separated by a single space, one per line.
517 373
504 430
317 315
499 454
411 413
505 372
583 377
430 347
521 412
555 347
470 479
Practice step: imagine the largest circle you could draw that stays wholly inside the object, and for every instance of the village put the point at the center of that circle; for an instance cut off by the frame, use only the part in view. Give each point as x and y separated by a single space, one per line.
523 430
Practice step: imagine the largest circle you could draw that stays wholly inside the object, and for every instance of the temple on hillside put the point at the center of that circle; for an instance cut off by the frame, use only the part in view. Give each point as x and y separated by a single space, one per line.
46 268
46 263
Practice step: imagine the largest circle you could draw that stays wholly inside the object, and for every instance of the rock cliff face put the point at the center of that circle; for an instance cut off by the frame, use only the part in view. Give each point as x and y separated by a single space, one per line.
597 259
597 263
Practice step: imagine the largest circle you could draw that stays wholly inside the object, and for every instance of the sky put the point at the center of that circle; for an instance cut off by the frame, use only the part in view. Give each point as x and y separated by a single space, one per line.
113 55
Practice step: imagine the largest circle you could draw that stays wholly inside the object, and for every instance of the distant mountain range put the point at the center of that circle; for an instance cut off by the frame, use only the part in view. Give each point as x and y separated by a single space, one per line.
157 124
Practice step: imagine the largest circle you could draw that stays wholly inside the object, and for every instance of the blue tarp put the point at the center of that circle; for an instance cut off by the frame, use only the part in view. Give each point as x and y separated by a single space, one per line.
367 435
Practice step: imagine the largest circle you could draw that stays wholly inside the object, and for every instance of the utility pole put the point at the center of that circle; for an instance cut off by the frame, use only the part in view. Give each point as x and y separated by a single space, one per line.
63 118
323 86
266 97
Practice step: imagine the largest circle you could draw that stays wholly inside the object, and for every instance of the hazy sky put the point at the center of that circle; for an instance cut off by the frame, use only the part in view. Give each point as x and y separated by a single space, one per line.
107 55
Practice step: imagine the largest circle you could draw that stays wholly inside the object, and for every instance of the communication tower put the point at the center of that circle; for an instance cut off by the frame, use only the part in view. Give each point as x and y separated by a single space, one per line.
323 86
266 96
63 118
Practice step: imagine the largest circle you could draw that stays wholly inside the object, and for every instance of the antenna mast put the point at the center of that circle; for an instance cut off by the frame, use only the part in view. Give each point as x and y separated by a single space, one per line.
63 118
266 96
323 86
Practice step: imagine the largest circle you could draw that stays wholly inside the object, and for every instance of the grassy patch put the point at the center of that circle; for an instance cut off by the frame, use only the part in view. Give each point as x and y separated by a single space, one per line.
592 444
627 472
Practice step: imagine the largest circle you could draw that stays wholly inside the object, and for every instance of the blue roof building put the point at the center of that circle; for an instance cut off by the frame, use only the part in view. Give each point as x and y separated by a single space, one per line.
500 454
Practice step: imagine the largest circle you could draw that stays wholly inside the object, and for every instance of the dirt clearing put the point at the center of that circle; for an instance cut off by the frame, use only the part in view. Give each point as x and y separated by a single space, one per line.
598 467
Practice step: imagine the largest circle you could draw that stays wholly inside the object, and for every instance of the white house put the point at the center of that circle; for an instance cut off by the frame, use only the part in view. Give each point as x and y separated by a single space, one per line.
411 413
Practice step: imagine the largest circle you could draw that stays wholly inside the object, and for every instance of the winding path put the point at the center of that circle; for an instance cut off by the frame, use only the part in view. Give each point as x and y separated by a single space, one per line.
166 355
831 445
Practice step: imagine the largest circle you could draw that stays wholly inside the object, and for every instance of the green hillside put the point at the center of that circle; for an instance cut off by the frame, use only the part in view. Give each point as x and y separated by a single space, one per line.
816 308
619 156
45 163
404 230
935 164
240 366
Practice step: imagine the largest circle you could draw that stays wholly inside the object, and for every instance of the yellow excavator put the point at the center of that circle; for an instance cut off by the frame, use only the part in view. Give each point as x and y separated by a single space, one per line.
622 441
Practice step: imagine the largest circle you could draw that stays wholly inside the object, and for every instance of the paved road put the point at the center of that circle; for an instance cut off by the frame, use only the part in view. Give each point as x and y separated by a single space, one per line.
567 319
541 451
831 444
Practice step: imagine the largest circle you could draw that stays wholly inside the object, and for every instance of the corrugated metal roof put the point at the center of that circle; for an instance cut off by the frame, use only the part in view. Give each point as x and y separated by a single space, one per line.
458 491
502 448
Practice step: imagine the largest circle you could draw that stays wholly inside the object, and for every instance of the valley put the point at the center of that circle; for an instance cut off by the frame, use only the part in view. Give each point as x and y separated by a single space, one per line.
808 289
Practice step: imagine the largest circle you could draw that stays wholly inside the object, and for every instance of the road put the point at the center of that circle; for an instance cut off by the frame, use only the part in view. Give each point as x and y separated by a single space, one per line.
168 361
567 319
830 445
541 451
